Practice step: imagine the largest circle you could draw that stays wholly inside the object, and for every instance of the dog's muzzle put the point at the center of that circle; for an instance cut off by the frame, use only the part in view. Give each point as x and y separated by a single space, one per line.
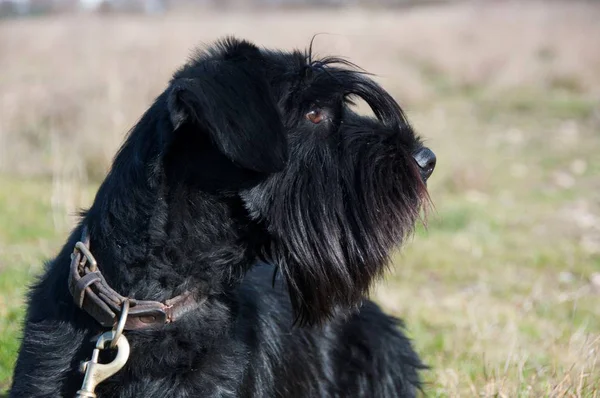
426 159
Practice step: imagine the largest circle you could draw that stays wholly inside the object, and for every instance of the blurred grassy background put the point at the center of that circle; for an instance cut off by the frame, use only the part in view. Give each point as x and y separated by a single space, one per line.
501 292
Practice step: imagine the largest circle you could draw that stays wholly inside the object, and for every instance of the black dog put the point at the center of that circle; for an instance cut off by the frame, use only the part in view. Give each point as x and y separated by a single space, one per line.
250 157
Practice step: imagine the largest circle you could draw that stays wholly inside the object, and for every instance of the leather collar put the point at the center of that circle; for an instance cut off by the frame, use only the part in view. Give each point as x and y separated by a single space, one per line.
92 293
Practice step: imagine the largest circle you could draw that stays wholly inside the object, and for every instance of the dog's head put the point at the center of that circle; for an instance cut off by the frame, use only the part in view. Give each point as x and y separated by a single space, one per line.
335 191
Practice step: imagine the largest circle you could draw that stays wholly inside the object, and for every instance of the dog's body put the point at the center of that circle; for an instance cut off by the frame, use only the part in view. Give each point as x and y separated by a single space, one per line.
248 155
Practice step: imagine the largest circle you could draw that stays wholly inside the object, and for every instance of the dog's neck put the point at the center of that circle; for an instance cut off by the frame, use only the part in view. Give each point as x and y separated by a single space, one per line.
154 238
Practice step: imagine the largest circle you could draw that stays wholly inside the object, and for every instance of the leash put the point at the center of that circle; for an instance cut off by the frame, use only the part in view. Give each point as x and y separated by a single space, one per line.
92 294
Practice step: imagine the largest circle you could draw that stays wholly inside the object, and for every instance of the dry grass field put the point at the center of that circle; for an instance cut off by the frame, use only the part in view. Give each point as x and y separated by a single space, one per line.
501 291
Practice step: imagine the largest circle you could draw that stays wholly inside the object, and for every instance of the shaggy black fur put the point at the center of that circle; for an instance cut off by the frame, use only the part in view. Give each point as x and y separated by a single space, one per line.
250 157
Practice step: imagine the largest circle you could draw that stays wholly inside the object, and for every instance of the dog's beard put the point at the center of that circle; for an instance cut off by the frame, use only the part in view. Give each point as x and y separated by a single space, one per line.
334 215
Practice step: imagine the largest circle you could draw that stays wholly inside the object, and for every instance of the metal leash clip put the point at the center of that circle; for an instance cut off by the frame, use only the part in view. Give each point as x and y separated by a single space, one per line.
95 372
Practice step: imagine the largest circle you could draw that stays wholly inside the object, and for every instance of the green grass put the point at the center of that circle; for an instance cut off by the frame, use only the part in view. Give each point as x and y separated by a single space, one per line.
25 225
28 237
12 284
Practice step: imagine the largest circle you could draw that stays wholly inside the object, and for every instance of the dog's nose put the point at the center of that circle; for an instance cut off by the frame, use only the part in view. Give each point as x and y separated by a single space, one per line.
425 158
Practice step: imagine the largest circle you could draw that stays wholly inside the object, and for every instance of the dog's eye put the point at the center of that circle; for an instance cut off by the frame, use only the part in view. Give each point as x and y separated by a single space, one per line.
316 116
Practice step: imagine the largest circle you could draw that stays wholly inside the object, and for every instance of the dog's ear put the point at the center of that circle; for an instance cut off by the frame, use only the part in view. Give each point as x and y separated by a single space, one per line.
230 98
